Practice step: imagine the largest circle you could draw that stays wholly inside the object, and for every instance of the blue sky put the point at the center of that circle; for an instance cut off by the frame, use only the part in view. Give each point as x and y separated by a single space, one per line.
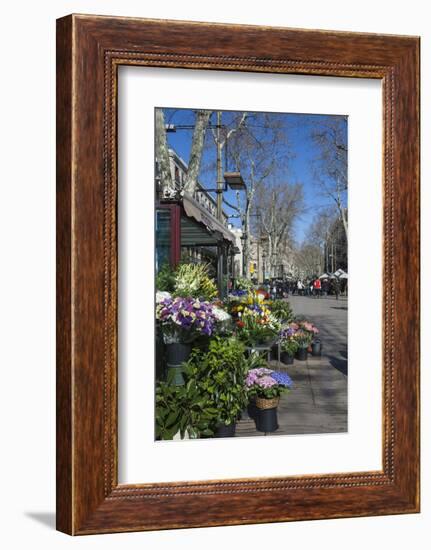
300 155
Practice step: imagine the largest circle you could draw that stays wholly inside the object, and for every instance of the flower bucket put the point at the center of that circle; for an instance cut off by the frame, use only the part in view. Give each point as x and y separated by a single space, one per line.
176 354
301 354
286 358
266 420
252 410
316 348
225 431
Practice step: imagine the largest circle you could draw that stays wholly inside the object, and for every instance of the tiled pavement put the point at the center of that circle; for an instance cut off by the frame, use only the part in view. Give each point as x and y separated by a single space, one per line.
317 402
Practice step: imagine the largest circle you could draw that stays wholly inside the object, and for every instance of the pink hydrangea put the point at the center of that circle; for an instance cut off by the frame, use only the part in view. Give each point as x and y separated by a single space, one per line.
266 381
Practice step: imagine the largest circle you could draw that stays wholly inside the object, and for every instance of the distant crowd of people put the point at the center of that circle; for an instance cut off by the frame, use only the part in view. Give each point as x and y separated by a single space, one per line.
315 288
320 287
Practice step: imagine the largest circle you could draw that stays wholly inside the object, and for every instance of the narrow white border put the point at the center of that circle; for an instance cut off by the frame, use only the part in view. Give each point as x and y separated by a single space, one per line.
141 459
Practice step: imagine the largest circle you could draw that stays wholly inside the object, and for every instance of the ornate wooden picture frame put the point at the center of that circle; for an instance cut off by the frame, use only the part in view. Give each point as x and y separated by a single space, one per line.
89 51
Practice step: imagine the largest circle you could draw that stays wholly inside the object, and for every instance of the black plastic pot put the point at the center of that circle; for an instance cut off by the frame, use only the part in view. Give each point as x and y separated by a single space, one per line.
252 410
176 354
316 348
266 420
225 431
286 358
301 354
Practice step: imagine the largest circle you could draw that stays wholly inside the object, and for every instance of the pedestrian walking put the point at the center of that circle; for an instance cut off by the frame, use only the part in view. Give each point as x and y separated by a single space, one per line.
300 288
317 287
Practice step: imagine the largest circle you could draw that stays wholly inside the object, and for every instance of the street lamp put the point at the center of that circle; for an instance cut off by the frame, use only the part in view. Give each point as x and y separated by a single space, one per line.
231 179
235 181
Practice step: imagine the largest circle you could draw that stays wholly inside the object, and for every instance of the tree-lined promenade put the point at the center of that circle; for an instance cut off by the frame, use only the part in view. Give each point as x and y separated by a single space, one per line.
251 273
288 207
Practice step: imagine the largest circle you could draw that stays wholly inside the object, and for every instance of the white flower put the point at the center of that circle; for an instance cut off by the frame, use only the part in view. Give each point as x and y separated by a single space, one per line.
220 314
162 295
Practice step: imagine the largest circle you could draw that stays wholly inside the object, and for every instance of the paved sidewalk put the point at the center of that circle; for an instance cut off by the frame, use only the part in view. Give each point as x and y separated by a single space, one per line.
317 402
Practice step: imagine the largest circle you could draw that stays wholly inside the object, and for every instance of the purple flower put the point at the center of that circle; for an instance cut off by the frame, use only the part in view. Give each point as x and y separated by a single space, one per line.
186 314
282 378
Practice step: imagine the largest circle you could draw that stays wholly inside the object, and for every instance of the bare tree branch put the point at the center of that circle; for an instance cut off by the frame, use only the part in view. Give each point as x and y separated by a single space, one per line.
167 185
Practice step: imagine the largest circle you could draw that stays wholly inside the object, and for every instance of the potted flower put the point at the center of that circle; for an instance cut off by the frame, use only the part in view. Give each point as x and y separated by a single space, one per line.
288 345
182 320
219 373
256 326
266 386
315 345
303 339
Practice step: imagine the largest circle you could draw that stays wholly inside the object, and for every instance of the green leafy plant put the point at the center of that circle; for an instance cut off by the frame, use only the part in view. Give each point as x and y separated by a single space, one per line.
183 409
165 279
289 345
219 373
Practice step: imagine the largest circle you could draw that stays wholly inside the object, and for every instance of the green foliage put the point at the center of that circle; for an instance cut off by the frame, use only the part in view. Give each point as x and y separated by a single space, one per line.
219 375
282 310
183 409
165 279
257 360
254 335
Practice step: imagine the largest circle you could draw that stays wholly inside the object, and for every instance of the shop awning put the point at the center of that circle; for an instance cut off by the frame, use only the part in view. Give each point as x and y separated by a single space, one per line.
190 231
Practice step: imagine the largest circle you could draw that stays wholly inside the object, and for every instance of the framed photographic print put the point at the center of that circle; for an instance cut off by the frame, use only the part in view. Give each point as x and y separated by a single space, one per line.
237 274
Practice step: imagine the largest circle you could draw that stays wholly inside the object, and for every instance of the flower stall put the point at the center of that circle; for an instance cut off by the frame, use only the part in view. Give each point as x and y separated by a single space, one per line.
213 354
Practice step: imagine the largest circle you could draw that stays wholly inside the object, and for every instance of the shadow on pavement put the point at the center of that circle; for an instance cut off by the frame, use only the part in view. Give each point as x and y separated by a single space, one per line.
339 363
